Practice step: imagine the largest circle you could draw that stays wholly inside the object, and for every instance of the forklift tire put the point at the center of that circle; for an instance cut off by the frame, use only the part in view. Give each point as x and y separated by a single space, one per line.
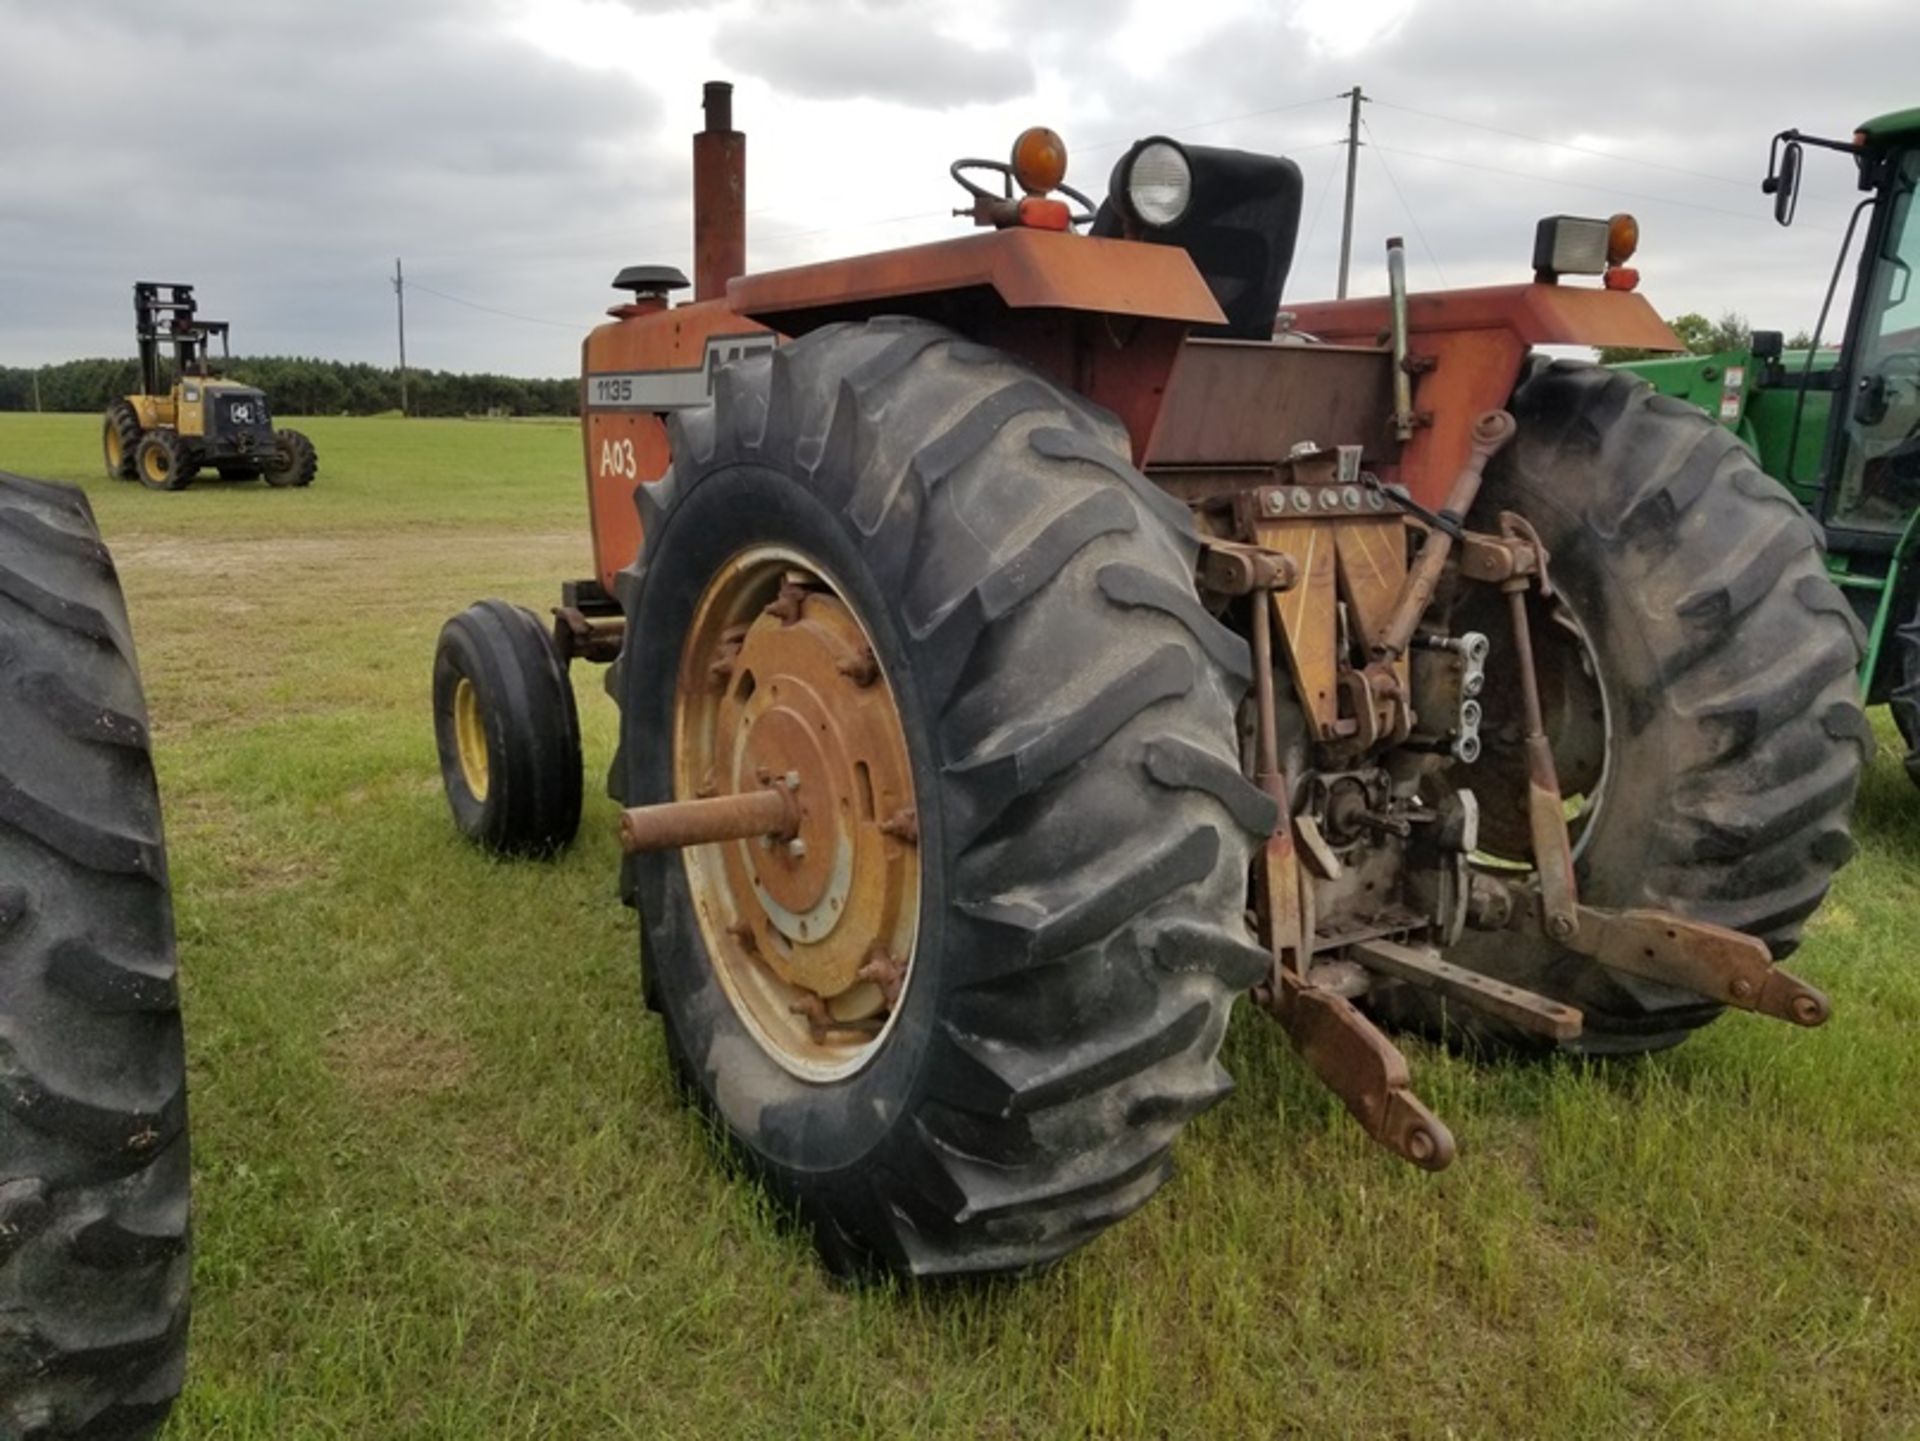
94 1264
1080 834
296 463
120 440
1727 700
1905 700
165 461
507 731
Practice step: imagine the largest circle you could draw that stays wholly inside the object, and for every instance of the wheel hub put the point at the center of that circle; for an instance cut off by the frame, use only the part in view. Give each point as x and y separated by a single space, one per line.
811 932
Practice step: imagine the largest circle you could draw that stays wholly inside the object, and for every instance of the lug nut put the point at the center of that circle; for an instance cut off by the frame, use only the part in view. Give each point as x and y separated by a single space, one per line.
796 849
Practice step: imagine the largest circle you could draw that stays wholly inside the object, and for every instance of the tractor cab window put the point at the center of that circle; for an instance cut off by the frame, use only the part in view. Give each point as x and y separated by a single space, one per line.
1880 471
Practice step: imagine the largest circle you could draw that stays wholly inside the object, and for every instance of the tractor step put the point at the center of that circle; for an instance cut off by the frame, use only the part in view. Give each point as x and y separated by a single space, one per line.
1422 966
1722 965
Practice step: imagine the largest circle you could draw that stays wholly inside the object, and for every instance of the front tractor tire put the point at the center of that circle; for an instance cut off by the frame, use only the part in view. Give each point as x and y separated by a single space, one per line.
1904 702
164 461
120 440
1698 670
956 1021
94 1263
507 731
295 462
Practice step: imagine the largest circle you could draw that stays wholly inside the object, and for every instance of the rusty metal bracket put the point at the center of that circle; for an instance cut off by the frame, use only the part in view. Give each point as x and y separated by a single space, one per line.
1491 432
1360 1066
1422 966
1232 568
1723 965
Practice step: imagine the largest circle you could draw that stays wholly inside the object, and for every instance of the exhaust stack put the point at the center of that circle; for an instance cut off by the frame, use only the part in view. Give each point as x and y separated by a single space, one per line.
719 196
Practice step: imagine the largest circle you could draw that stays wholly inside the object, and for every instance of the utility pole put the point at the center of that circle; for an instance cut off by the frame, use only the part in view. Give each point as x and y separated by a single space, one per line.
1356 95
36 390
400 305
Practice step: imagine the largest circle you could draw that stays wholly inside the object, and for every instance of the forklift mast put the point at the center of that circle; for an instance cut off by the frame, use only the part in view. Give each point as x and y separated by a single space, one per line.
163 314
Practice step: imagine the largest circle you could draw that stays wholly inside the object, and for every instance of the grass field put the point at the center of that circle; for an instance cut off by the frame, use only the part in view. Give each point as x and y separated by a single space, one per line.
444 1189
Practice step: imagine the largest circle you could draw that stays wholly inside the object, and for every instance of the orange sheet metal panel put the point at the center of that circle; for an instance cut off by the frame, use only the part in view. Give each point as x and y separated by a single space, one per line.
635 372
1028 269
1538 314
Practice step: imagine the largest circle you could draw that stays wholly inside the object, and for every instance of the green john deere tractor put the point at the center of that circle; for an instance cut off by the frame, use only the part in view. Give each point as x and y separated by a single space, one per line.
1841 428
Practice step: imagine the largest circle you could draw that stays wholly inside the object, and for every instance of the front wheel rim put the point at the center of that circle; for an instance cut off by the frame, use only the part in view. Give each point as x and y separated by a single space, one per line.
812 937
470 738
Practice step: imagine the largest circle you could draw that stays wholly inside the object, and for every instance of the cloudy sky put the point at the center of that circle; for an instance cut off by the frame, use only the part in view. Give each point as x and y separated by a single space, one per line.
517 153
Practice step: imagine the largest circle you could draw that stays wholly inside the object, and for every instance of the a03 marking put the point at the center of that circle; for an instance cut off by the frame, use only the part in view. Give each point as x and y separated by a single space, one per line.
617 459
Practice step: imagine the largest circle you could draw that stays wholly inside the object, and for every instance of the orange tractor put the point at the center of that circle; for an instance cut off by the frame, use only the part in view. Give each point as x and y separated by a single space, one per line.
1027 643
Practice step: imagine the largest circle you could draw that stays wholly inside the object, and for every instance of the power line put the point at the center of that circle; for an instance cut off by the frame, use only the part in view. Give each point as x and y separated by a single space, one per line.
1415 219
1313 223
1193 125
1568 145
1582 185
493 310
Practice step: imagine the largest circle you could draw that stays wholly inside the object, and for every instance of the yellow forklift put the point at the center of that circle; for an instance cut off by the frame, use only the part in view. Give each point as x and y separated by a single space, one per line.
168 432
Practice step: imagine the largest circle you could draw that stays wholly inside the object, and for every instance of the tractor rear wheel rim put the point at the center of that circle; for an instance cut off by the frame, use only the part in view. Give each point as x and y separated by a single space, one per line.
470 737
811 935
157 467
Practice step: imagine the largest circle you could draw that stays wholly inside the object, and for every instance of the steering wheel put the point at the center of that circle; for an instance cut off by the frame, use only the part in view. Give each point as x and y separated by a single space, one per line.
990 207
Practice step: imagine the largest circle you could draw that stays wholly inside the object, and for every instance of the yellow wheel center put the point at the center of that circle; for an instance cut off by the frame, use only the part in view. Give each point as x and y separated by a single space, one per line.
114 453
156 463
812 935
470 737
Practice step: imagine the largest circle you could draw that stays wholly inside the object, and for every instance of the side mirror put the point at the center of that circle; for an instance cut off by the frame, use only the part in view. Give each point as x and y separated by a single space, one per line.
1783 182
1766 344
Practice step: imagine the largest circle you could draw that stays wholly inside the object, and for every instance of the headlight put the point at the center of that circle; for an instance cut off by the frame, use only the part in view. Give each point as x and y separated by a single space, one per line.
1570 245
1156 188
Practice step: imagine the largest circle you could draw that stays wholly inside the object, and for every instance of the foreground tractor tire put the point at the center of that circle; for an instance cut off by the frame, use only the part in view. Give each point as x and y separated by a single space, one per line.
507 730
918 565
1698 670
1905 700
93 1144
119 440
164 461
296 463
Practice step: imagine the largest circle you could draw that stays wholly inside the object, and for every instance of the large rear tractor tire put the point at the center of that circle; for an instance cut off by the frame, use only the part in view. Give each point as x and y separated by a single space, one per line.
956 1021
164 461
119 440
295 462
93 1141
1905 700
507 730
1698 671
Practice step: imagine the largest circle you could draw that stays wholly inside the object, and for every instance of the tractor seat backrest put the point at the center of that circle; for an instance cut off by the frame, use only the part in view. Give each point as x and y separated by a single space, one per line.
1240 232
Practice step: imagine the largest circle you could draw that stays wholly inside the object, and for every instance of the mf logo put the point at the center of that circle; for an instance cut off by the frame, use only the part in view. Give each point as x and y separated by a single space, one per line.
725 352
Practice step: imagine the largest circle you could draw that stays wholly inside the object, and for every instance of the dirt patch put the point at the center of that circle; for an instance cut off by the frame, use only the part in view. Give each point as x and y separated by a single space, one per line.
314 555
388 1059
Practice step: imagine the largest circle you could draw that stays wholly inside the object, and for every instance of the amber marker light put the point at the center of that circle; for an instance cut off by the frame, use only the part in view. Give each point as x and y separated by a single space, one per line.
1039 160
1623 238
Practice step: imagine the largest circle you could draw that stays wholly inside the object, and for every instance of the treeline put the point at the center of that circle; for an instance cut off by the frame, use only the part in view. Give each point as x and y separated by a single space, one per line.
296 385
